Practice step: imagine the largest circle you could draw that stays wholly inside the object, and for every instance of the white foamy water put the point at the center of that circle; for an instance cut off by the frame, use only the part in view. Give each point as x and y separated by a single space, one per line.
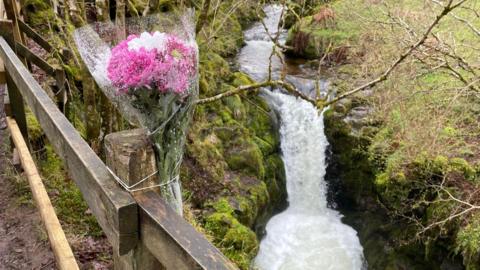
308 234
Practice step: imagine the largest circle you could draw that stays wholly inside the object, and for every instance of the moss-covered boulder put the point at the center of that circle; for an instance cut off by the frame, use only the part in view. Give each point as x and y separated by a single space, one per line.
236 240
316 35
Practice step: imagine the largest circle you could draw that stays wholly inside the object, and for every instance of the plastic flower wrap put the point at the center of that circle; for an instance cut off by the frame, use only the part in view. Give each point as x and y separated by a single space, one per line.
151 76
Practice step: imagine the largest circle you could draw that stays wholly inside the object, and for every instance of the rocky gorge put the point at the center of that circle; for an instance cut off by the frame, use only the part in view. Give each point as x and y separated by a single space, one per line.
389 145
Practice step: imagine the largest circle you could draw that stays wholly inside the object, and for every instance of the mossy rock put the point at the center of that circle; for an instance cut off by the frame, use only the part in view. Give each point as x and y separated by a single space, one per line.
228 37
244 155
38 13
240 78
236 107
237 241
213 68
208 156
313 36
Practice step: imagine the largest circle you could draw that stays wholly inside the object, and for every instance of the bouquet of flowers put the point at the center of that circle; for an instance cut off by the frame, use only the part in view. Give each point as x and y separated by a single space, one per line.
152 78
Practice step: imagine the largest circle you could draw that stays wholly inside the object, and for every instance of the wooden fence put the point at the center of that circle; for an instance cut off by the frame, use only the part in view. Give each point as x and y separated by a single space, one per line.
144 231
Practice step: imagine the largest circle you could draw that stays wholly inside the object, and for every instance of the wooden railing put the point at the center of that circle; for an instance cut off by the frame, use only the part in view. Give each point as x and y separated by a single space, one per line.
144 231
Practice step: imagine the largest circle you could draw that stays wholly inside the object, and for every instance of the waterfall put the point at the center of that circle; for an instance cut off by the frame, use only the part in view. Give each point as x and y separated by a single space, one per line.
308 234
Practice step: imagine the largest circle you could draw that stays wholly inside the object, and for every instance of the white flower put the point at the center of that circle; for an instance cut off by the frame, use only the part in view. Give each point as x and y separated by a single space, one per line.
148 41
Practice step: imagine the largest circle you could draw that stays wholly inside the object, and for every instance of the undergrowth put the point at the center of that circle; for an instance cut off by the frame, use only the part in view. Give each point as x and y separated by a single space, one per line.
425 138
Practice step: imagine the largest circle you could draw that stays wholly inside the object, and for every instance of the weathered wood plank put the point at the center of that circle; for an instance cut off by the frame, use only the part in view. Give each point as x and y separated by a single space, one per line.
114 208
58 241
22 50
27 30
2 10
172 240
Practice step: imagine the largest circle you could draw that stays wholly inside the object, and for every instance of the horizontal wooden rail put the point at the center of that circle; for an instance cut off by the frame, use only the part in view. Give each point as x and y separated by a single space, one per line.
114 208
164 235
22 50
63 253
173 241
124 218
25 28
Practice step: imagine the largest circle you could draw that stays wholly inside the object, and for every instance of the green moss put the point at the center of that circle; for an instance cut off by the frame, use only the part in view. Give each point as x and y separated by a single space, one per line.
237 241
236 107
35 131
208 157
244 155
259 195
461 165
240 78
468 244
67 200
440 164
275 179
38 12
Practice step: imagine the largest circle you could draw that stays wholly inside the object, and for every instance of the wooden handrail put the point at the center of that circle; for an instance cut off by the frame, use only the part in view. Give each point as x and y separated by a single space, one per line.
114 208
25 52
173 241
124 218
58 241
25 28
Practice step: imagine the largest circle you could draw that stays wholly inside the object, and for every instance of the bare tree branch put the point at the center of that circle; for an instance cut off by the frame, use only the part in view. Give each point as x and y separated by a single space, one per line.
270 83
446 9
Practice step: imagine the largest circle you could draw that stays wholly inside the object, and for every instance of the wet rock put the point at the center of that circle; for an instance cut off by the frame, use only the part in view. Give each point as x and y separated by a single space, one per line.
357 118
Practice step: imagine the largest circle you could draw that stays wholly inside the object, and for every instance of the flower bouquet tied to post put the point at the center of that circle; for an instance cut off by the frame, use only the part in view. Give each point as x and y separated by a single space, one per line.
152 61
152 78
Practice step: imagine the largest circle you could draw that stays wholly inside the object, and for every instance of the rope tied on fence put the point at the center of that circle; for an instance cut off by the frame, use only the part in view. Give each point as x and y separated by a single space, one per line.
131 188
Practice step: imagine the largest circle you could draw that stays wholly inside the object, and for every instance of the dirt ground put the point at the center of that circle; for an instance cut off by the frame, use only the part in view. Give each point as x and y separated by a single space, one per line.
23 243
21 246
23 240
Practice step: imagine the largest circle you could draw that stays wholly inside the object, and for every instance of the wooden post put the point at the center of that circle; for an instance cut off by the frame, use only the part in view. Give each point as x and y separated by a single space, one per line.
61 94
12 8
130 156
16 106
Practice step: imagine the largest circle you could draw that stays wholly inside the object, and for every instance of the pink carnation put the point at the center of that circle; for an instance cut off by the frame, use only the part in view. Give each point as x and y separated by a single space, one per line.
167 68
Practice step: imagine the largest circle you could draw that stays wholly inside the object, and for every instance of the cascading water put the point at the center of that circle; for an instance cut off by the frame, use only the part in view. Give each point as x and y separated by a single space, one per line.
307 235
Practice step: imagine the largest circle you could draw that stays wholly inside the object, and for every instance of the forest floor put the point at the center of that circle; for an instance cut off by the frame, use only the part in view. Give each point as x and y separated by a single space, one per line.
23 241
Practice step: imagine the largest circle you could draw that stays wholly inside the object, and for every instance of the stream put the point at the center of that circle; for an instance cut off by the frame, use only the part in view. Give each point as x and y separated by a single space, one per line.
308 234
